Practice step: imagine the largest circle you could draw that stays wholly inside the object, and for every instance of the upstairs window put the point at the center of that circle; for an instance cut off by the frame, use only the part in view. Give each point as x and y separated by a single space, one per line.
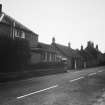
23 34
16 33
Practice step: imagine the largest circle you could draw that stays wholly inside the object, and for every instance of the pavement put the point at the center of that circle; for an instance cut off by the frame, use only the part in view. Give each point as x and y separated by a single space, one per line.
85 87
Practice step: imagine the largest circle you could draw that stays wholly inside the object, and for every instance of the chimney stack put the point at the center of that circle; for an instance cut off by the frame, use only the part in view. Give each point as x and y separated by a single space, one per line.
0 8
53 40
69 45
97 47
81 47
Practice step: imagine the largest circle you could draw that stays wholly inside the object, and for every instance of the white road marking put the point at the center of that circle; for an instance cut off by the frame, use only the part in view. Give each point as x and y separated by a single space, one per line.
91 74
100 71
37 92
76 79
55 85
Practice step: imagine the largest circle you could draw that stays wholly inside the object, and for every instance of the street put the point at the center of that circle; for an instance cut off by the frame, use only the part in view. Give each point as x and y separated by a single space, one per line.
83 87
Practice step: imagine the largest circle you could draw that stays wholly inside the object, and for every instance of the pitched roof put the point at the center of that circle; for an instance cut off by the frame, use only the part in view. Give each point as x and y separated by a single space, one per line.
43 47
10 21
66 51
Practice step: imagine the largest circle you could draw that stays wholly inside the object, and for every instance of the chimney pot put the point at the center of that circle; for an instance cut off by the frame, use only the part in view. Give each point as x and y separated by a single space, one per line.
81 47
69 45
53 40
97 47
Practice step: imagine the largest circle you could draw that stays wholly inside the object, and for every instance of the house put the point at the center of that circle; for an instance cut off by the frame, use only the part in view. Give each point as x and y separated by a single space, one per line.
11 28
46 54
67 55
91 55
87 57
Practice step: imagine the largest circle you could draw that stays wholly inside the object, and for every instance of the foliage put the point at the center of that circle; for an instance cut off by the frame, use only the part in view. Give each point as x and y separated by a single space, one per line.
91 50
14 54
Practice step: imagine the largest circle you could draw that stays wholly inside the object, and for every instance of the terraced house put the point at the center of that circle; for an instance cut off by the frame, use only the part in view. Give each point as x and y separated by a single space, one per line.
40 52
46 53
11 28
49 53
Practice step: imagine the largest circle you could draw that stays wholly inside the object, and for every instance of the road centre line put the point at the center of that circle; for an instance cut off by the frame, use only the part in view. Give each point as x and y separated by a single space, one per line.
100 71
91 74
37 92
55 86
76 79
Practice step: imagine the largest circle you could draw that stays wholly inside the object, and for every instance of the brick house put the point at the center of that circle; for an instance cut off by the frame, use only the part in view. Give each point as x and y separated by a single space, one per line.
13 29
91 55
87 57
45 52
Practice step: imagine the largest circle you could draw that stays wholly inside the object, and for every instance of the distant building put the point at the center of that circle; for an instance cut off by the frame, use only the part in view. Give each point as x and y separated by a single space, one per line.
91 55
67 55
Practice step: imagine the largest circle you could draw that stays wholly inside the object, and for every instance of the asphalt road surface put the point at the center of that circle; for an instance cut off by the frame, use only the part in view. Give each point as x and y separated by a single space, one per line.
85 87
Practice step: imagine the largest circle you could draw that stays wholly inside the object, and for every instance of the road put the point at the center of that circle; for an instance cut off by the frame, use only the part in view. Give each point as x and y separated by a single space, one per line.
83 87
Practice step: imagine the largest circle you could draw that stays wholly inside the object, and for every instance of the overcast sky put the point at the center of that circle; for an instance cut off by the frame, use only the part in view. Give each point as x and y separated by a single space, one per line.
76 21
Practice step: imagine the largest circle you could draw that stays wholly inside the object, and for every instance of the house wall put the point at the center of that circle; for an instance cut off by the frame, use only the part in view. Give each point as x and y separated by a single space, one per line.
35 58
72 62
48 56
32 39
79 63
60 55
5 29
69 64
9 31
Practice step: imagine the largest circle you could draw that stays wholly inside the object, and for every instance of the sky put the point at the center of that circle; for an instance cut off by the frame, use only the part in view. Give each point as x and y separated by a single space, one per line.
74 21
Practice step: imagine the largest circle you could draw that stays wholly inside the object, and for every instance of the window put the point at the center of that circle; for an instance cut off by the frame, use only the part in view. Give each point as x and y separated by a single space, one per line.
22 34
16 33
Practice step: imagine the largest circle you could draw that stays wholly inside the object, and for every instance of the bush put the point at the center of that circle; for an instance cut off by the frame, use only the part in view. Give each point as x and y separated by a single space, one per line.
14 54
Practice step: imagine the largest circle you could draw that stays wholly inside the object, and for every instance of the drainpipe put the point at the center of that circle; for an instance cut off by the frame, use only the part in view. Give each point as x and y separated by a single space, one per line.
13 30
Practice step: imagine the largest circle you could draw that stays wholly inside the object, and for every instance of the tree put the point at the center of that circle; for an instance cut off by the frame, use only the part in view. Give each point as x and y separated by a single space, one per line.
90 49
14 54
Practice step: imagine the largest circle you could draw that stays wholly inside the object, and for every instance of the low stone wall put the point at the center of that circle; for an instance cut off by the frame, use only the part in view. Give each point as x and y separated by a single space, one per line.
12 76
